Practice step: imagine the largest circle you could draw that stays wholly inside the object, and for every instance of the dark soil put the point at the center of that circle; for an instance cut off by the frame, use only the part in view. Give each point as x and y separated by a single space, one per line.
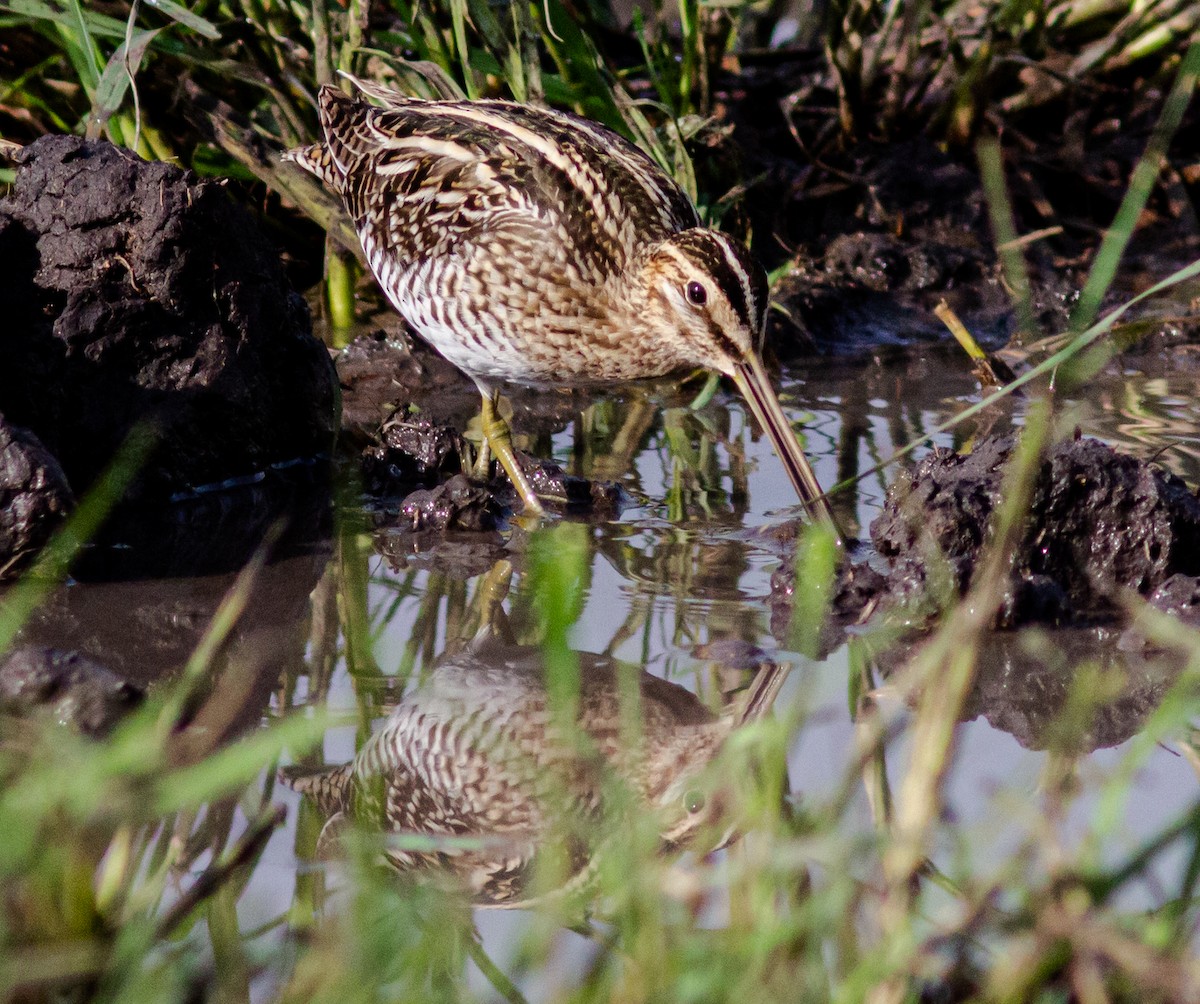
1100 522
880 225
34 497
406 403
70 688
134 292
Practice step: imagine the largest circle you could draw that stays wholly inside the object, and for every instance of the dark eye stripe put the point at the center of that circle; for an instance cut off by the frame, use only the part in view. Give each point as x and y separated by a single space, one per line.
733 268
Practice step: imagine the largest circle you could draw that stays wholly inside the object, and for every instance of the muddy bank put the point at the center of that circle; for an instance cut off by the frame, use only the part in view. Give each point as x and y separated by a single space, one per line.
135 293
404 405
1100 523
89 653
871 230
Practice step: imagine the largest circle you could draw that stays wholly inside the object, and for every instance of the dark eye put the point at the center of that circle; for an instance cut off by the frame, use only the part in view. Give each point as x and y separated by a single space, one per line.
696 294
693 801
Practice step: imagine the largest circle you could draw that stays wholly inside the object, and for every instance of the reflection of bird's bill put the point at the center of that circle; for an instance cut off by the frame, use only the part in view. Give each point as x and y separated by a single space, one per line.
752 380
720 815
753 703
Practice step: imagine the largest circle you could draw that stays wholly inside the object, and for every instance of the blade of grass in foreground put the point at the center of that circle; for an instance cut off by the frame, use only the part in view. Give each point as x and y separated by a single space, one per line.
232 606
950 658
1008 246
1141 184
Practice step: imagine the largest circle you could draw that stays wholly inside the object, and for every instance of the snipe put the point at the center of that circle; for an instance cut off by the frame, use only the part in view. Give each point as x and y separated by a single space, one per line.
535 247
474 761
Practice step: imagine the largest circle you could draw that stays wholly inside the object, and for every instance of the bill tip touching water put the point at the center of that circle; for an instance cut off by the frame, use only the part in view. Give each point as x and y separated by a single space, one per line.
535 247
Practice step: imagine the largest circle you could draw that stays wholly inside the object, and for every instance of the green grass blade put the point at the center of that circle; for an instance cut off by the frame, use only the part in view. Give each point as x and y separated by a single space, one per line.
177 12
1141 184
118 77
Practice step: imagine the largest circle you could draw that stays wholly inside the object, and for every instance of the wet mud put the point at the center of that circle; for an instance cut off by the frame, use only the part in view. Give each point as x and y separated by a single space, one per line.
1100 523
871 233
406 404
136 295
88 652
69 688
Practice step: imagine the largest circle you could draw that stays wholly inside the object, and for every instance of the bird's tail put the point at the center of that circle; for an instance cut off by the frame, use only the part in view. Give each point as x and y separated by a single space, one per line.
328 787
316 159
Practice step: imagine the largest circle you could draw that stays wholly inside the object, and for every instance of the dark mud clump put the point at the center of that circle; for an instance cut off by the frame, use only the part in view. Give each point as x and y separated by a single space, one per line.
34 496
401 401
1101 525
1101 522
918 236
412 474
417 452
452 505
132 291
70 688
551 482
384 373
410 450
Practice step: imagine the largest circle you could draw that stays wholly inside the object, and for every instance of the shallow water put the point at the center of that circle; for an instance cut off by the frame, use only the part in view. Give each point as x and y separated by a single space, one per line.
676 571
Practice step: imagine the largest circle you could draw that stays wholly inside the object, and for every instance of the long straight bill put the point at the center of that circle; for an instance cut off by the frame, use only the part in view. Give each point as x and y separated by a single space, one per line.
755 385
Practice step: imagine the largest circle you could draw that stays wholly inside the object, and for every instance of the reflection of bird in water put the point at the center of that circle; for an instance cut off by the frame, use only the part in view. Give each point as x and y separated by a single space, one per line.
474 753
535 247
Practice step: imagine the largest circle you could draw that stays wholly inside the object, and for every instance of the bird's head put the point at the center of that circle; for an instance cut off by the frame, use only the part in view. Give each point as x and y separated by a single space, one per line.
708 290
711 294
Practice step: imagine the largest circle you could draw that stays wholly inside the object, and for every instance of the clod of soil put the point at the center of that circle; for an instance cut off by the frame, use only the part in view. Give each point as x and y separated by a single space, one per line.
408 451
453 505
1101 521
68 686
418 452
134 291
1179 596
550 481
34 496
401 399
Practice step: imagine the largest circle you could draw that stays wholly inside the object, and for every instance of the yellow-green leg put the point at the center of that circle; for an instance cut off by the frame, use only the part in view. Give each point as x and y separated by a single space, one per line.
497 436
